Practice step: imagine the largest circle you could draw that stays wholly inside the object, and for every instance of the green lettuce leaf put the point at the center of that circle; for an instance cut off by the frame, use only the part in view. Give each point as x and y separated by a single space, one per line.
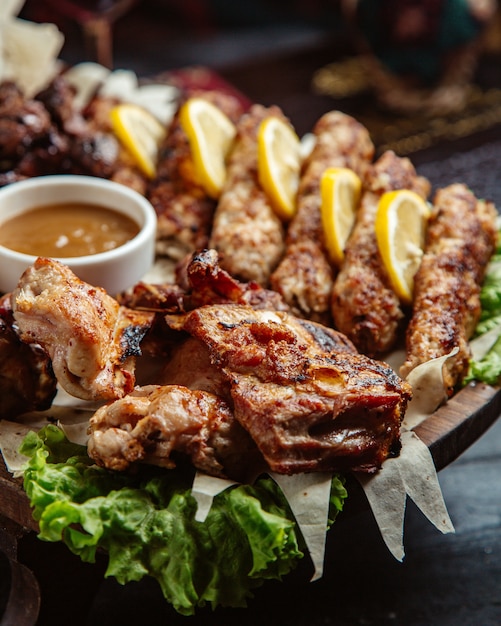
145 521
488 368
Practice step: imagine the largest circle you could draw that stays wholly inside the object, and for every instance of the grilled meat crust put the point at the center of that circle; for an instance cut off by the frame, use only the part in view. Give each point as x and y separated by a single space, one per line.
92 341
201 280
364 306
184 210
246 232
309 401
304 277
154 423
460 240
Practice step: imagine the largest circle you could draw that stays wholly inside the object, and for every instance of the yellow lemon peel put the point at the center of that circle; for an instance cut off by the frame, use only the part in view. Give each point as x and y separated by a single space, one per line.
279 163
140 132
401 222
340 191
211 134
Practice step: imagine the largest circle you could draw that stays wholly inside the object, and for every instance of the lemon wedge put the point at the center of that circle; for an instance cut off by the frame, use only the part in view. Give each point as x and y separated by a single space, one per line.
211 134
340 191
279 162
140 133
401 221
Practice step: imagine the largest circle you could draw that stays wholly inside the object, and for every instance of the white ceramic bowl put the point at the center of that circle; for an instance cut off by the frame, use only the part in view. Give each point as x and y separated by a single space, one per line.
115 270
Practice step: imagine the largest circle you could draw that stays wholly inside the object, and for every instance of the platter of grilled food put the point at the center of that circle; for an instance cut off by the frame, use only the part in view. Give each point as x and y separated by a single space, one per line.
311 318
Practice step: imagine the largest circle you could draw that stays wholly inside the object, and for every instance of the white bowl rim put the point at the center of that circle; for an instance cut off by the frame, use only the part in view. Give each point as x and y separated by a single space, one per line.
72 180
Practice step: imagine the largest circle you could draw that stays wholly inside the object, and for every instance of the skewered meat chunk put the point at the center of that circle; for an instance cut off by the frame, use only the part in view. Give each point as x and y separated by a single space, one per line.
92 340
460 240
364 306
27 381
183 208
304 277
153 422
308 400
247 232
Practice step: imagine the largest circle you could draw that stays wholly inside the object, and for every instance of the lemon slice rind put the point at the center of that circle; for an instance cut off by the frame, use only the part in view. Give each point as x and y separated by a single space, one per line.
211 134
279 163
140 133
400 226
340 191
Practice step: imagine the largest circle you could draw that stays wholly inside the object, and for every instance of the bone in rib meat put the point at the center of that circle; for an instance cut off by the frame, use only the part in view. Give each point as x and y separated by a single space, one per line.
92 340
308 400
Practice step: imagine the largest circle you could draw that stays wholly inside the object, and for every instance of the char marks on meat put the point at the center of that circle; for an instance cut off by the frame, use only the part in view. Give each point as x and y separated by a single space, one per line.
364 305
246 231
308 400
460 240
92 341
304 276
200 280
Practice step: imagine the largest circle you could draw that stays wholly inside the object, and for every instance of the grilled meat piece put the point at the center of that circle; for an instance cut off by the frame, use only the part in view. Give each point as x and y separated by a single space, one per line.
201 281
364 306
30 143
27 381
92 340
304 277
460 240
247 232
184 209
153 423
309 401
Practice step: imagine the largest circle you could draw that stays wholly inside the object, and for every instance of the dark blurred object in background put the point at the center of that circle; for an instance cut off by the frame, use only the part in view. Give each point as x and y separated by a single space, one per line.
420 54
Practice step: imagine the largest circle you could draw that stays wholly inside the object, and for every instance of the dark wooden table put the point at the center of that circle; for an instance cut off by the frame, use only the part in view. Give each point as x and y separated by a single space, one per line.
444 580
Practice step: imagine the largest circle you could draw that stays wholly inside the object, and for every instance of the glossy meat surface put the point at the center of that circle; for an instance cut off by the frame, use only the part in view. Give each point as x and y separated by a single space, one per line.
27 381
153 423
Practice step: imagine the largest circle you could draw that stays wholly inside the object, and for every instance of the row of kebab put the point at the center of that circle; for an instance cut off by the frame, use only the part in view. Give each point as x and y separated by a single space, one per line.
259 353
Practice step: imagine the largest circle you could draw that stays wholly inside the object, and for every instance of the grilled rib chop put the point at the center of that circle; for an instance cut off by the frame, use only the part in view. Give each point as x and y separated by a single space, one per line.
308 400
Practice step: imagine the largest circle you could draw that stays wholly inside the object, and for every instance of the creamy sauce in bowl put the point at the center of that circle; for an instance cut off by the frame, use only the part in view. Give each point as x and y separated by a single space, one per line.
67 230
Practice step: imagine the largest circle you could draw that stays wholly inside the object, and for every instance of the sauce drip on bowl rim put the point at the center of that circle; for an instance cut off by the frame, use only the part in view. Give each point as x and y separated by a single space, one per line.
66 230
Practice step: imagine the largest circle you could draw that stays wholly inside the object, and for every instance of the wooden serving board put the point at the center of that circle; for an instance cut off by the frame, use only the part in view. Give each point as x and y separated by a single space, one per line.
452 429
